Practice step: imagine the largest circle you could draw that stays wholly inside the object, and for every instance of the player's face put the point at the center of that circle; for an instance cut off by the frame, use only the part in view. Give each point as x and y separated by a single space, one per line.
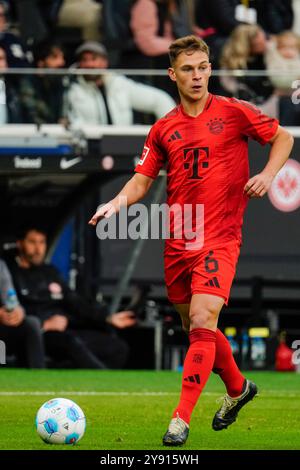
33 247
191 72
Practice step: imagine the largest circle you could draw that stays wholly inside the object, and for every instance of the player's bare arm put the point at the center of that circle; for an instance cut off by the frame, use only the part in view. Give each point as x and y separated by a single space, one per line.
281 146
134 190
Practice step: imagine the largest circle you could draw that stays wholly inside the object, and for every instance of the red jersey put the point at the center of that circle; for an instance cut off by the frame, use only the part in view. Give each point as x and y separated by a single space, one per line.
207 160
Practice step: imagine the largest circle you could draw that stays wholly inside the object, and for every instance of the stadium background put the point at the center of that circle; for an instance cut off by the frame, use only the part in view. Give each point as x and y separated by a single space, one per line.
265 292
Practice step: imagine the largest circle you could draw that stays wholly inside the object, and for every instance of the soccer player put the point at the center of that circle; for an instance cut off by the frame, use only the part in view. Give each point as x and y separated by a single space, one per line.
204 142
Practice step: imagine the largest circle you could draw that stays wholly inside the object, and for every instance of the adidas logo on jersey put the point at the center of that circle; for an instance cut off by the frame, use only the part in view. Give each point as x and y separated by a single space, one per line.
213 282
175 136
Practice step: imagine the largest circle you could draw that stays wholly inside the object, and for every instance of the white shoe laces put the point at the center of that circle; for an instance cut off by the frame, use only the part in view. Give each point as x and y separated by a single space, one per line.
229 403
177 426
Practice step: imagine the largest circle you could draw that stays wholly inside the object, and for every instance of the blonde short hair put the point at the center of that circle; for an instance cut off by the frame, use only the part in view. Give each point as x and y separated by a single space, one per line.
185 44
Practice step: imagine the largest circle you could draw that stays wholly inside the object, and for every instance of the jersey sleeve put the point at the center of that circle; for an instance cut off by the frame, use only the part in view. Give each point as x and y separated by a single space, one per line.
153 157
253 123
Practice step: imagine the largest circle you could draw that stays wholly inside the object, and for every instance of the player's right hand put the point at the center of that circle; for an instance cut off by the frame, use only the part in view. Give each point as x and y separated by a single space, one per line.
107 210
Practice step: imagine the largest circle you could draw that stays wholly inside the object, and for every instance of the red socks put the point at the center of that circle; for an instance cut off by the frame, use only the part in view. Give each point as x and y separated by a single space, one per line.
208 351
225 366
197 367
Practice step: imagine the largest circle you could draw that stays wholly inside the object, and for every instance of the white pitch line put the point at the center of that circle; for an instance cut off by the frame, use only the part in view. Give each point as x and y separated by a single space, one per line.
266 393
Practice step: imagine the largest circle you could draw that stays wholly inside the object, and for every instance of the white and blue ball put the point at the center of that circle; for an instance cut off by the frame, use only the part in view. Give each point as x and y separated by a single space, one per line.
60 421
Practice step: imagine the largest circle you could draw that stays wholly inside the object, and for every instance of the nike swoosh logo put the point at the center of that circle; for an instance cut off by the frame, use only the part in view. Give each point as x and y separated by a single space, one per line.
65 164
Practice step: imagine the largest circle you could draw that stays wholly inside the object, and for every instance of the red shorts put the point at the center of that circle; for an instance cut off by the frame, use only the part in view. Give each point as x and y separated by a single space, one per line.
206 271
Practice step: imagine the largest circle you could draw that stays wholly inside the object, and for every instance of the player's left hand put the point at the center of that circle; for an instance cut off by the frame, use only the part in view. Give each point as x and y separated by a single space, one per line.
258 185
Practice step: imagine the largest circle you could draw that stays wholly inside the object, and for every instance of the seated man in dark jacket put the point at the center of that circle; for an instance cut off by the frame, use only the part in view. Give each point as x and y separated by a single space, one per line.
73 329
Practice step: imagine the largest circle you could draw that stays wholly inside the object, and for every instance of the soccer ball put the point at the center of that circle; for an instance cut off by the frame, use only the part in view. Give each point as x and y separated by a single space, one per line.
60 421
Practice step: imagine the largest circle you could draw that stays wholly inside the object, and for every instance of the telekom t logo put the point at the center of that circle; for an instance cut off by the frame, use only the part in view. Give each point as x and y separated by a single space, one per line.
195 158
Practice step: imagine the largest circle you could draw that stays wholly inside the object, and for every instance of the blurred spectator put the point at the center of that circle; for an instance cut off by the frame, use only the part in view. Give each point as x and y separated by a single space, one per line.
157 23
245 50
283 56
36 19
42 95
214 22
15 51
83 14
154 24
73 328
116 32
21 333
110 98
275 16
145 30
10 106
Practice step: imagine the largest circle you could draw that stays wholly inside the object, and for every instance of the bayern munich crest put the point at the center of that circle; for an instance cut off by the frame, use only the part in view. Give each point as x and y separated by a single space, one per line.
284 193
216 125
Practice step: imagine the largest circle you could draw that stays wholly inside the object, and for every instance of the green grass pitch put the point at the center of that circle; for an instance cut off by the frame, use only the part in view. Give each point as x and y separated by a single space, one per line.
130 410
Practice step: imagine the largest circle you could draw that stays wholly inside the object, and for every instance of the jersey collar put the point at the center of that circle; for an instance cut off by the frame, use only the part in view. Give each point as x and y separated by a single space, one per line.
207 105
